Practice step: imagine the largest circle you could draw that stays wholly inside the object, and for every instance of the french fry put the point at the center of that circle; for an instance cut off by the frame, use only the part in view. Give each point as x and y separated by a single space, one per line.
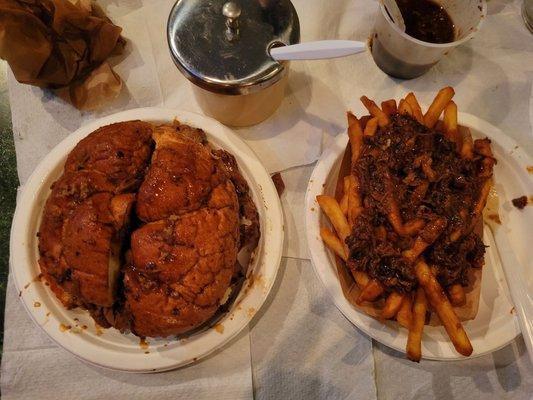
363 120
370 292
393 213
344 200
482 147
405 108
401 105
354 200
442 306
450 122
458 232
392 305
344 204
332 209
455 235
333 242
480 204
415 107
389 107
437 106
381 233
419 192
361 278
375 111
412 227
405 313
414 338
371 127
487 167
428 170
355 135
467 151
457 295
427 236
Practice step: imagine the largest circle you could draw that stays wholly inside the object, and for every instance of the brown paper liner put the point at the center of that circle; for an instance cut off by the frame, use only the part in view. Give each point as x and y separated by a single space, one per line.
351 290
63 46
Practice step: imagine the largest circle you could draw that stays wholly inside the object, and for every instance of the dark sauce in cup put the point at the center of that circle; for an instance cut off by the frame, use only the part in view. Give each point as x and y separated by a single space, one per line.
427 21
424 20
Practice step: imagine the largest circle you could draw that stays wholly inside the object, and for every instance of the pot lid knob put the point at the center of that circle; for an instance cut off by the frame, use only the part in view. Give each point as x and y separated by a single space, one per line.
232 12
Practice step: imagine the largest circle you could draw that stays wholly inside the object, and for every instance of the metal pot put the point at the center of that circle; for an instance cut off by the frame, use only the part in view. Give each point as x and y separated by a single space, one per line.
223 48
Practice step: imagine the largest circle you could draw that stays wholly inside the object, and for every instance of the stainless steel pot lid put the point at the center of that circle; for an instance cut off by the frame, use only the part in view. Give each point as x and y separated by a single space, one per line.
224 46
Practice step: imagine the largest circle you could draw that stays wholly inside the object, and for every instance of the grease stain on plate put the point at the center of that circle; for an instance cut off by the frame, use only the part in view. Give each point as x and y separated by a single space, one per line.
98 329
219 328
495 218
143 344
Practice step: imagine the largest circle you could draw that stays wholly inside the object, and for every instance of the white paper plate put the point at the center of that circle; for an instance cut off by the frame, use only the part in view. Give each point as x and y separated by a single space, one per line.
109 348
495 324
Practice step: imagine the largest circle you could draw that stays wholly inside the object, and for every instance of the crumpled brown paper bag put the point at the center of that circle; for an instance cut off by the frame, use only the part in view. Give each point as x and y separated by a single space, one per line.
62 45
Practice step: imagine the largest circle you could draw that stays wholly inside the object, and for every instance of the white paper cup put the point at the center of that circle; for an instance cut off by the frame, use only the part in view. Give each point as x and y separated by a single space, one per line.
527 13
402 56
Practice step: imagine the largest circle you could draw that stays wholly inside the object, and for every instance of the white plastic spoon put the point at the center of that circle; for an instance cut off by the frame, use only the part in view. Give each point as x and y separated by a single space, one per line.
522 298
317 50
394 12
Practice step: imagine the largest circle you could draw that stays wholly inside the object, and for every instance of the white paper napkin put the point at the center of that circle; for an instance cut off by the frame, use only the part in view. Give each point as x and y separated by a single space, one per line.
35 368
293 203
505 374
303 348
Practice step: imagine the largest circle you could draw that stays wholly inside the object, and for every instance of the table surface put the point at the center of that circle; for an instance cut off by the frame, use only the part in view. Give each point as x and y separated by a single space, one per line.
8 189
329 348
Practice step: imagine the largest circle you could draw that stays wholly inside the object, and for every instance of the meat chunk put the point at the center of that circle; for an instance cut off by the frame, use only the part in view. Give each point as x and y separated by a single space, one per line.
180 178
520 202
250 231
182 266
121 151
92 240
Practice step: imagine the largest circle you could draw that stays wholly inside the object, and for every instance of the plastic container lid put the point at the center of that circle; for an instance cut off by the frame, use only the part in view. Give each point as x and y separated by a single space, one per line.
224 46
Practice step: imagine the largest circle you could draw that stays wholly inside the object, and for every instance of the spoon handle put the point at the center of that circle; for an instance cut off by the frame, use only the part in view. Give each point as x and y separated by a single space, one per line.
522 298
317 50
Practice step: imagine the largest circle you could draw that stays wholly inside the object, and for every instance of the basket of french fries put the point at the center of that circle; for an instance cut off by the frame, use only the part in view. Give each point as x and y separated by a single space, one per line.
405 217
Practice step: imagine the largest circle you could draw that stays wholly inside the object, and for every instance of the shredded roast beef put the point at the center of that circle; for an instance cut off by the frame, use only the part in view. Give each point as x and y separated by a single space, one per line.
249 216
429 180
520 202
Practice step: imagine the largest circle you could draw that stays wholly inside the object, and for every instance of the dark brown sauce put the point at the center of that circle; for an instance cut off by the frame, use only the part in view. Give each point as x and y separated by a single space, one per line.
426 21
393 66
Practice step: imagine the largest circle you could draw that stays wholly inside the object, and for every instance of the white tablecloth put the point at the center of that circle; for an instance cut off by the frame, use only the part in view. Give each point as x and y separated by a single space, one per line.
299 346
